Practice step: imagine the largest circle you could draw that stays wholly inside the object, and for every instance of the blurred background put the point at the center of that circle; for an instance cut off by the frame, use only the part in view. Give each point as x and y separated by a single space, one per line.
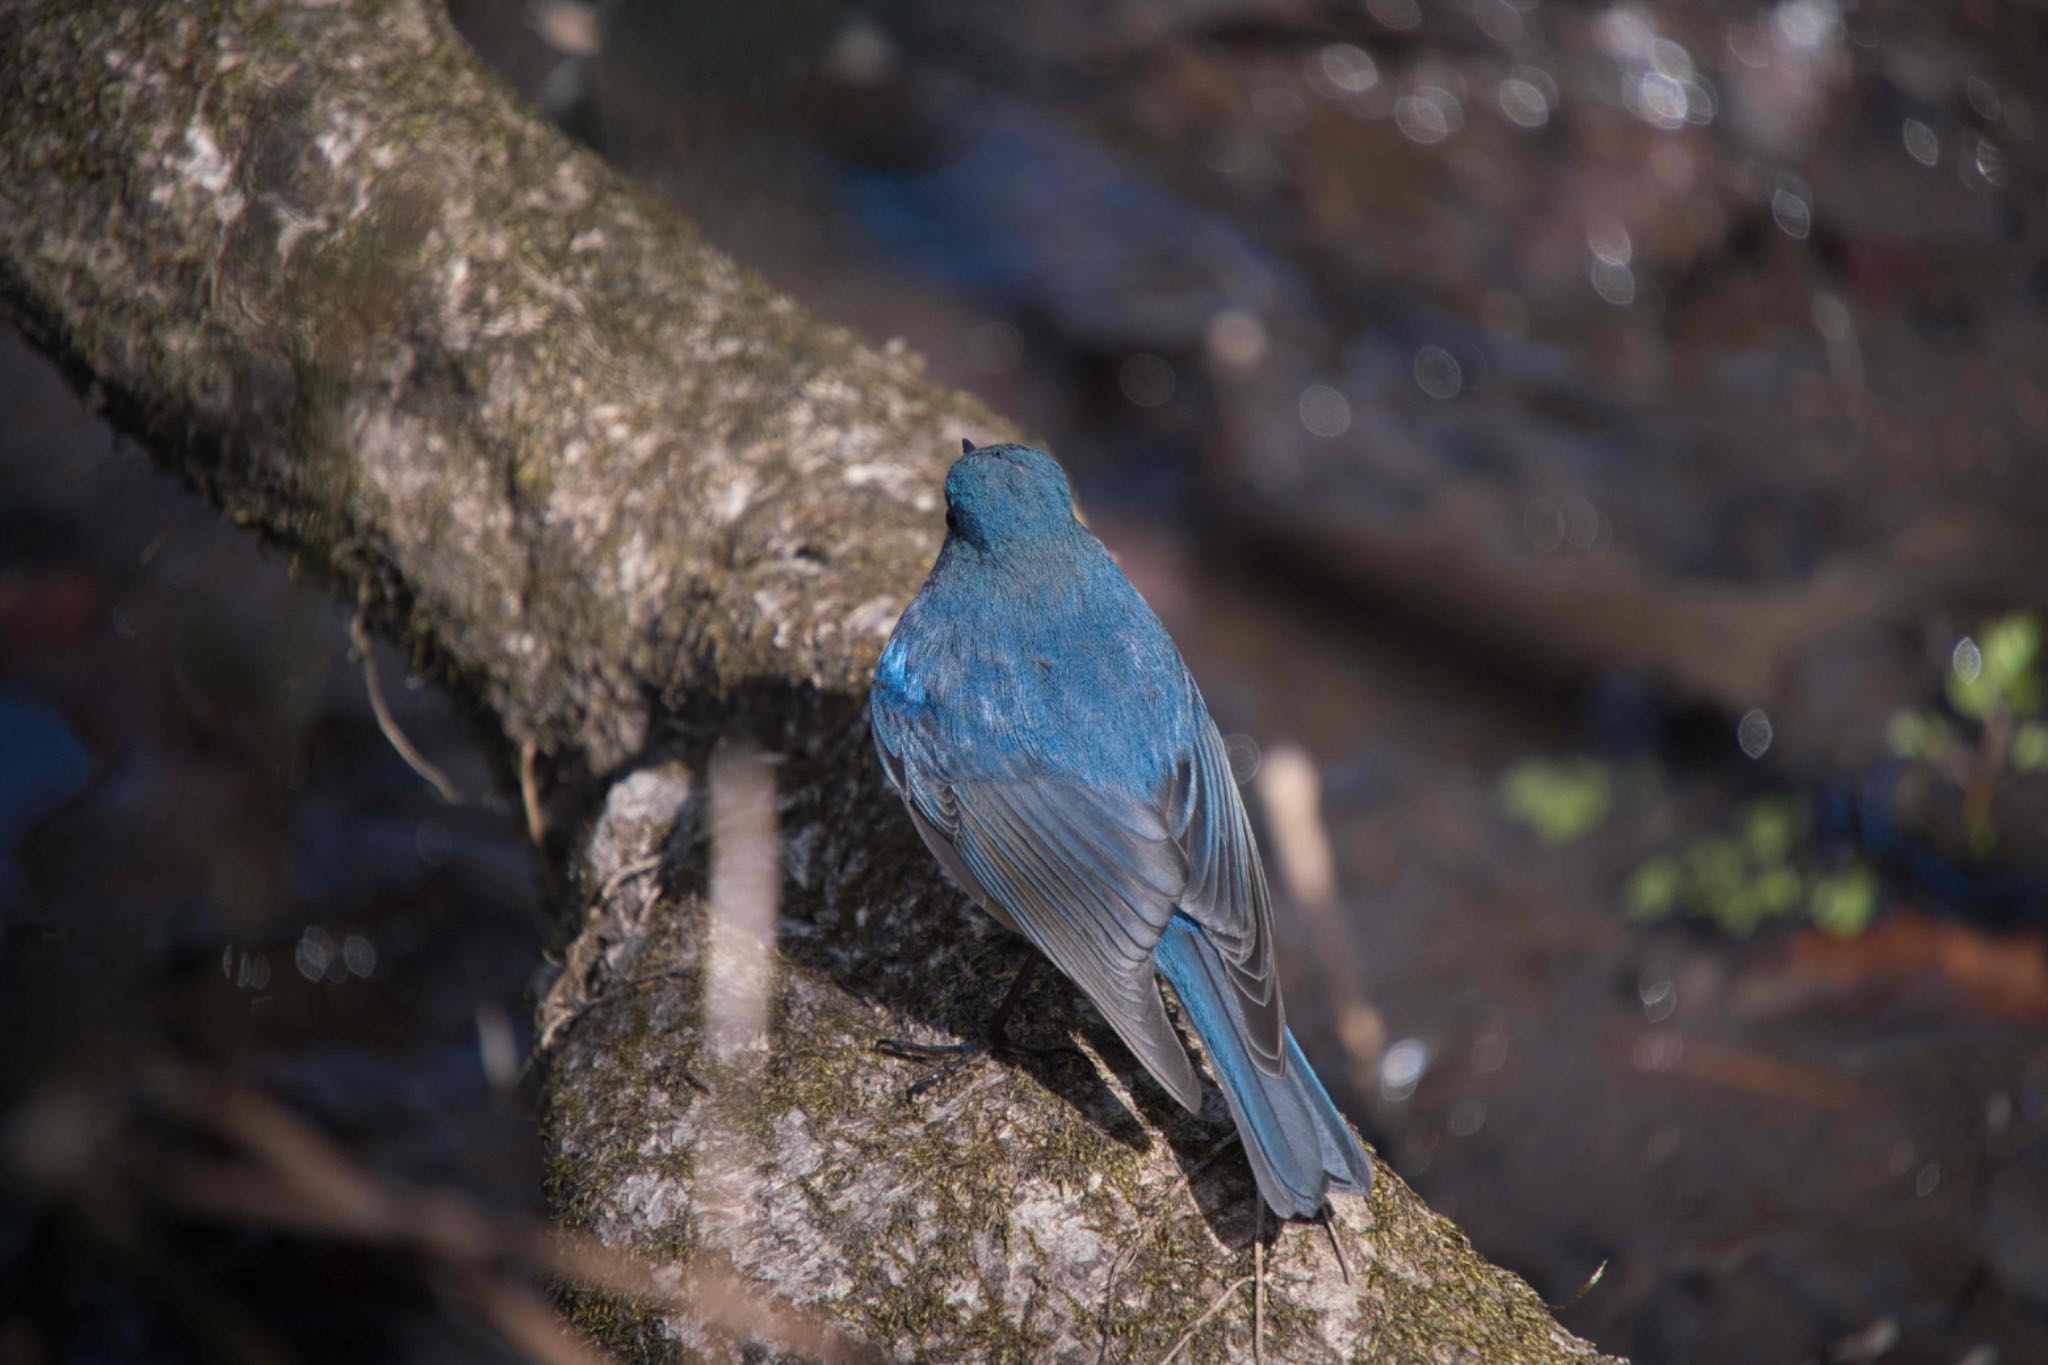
1595 458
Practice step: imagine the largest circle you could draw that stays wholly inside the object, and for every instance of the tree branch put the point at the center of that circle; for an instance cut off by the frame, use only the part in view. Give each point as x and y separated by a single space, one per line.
628 499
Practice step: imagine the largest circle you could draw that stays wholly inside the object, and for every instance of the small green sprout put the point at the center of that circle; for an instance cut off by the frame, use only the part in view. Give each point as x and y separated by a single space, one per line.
1771 827
1994 687
1844 903
1559 802
1656 890
1997 674
1761 871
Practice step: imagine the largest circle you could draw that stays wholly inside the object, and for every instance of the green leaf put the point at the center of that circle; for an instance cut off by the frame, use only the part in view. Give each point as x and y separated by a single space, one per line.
1919 735
2011 648
1655 889
1714 867
1844 903
1771 828
2004 679
1969 691
1741 911
2030 748
1780 891
1559 802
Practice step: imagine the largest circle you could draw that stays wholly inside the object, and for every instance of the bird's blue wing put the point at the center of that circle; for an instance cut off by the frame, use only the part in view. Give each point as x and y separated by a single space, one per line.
1093 883
1090 878
1226 893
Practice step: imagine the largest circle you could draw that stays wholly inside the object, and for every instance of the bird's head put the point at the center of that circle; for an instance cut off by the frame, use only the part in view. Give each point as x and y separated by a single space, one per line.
1007 496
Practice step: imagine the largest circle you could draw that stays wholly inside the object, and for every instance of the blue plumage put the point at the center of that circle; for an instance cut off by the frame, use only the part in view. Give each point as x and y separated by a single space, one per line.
1057 758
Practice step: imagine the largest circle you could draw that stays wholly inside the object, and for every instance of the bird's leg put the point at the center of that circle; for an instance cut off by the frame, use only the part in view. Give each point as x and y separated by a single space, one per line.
955 1057
999 1027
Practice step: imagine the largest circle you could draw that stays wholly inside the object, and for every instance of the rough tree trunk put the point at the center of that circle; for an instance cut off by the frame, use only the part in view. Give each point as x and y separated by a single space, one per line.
629 501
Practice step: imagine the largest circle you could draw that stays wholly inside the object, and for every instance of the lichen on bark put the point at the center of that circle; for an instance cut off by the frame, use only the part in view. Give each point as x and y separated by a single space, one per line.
629 500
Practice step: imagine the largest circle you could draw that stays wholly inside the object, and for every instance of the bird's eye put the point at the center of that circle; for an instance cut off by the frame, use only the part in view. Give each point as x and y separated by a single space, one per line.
952 522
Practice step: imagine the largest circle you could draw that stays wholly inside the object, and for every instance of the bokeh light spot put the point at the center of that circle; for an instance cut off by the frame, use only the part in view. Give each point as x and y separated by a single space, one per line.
1608 240
1429 115
1921 143
1467 1117
1669 58
1614 283
1489 1052
1753 732
1324 411
1402 1067
1806 24
1398 15
1990 163
1437 373
1147 380
1522 103
314 953
1660 101
1658 994
1623 32
1983 97
1792 208
1345 69
1967 660
359 955
1498 20
1236 339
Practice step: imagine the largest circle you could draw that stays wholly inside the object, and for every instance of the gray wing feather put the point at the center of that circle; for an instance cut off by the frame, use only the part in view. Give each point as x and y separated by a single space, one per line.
1092 880
1226 892
1093 896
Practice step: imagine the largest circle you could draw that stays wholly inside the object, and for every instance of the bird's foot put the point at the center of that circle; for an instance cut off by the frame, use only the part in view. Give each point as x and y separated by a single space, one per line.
952 1059
955 1058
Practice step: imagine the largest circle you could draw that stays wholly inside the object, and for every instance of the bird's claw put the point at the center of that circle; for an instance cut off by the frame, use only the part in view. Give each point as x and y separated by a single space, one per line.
954 1058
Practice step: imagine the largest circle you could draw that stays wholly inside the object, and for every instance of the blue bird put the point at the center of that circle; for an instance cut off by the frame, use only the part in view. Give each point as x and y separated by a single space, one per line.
1056 755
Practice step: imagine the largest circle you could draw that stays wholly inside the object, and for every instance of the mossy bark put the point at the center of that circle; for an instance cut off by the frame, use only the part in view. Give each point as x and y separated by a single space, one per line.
628 501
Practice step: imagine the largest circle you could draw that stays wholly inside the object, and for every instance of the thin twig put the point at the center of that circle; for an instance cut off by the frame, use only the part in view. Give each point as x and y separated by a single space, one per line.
558 1024
638 868
1291 790
576 980
1259 1288
359 632
1336 1248
529 792
1203 1321
1583 1290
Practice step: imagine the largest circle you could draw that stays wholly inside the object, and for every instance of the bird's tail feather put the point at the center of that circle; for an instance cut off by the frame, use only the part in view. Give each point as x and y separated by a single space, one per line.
1300 1147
